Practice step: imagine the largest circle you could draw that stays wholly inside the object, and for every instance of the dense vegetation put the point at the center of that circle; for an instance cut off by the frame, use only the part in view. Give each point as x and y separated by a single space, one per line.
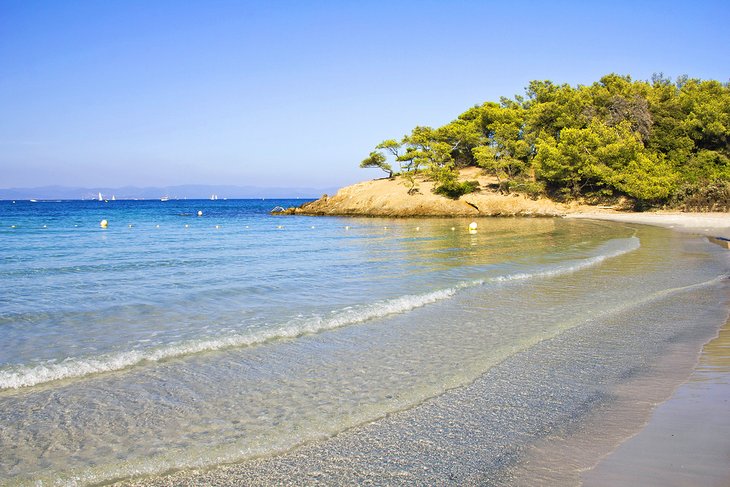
652 143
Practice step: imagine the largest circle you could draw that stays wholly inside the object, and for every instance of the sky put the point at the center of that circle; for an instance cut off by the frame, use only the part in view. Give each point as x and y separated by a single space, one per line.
296 94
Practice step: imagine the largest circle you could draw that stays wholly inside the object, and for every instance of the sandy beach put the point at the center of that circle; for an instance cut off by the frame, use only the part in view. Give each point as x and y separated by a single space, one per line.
709 224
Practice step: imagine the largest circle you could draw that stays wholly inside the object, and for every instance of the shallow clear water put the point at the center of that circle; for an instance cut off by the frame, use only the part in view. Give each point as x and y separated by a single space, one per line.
190 341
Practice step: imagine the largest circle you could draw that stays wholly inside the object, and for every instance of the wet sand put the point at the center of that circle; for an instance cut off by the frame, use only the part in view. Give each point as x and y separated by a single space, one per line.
654 433
687 440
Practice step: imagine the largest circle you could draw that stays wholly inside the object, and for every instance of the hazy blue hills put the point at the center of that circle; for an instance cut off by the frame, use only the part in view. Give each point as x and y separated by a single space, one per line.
192 191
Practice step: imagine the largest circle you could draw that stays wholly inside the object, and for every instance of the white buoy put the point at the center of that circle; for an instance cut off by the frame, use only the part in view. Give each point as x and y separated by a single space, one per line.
280 227
217 226
312 227
418 229
12 226
44 226
130 225
473 226
157 226
186 225
200 213
103 224
453 229
347 227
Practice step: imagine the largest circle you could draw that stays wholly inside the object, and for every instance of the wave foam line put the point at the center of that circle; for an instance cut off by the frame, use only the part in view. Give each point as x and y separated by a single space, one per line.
27 376
632 243
31 375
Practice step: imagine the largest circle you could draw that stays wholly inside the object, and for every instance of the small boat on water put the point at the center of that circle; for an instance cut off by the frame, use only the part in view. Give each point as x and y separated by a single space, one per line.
165 198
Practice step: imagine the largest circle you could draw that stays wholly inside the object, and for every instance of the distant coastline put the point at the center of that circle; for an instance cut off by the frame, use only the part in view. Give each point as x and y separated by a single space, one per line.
190 191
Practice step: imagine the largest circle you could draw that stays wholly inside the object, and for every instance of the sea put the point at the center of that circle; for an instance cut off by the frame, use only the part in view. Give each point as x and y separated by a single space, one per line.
194 333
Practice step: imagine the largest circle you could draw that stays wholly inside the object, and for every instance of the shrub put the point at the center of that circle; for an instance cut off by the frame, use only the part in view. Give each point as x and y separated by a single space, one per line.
455 189
711 196
533 189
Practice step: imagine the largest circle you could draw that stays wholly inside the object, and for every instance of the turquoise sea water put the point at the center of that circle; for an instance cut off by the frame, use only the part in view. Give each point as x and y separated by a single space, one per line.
171 340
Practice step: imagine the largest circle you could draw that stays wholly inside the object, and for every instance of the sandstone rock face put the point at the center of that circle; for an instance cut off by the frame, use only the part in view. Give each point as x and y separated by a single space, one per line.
390 198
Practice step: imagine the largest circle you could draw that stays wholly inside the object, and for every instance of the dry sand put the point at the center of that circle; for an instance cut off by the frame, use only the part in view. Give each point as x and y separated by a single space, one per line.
710 224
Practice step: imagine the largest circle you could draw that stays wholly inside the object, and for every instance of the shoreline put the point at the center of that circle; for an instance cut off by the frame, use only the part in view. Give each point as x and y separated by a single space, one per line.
684 442
451 427
679 442
677 363
707 224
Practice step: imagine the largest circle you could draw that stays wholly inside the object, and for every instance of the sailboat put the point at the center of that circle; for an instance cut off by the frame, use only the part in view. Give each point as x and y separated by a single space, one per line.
100 198
214 197
114 198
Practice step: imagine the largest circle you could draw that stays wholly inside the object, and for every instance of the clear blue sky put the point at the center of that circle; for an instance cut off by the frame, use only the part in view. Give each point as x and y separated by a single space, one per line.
112 93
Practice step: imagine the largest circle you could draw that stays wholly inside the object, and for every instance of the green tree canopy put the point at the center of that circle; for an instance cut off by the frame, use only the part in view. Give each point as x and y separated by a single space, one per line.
378 160
653 141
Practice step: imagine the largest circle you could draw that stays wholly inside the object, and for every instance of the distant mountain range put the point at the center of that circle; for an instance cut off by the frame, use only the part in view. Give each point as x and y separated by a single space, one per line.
190 191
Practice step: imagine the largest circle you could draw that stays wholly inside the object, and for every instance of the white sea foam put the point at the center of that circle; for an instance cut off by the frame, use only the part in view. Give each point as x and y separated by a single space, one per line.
612 249
26 376
15 377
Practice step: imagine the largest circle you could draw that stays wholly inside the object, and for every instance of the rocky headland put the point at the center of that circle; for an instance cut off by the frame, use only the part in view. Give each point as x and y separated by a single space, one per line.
391 198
